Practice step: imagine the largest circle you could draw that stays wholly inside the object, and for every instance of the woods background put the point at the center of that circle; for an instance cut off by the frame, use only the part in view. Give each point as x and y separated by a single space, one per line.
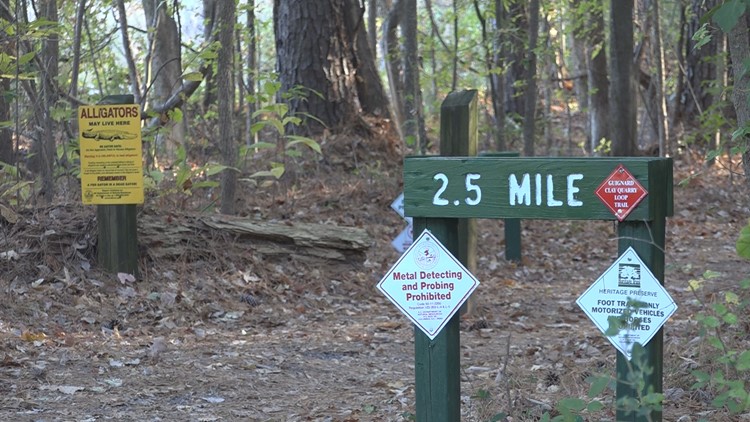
219 81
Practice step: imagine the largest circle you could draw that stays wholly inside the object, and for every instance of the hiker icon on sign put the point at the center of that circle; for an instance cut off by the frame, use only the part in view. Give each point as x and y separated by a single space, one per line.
629 275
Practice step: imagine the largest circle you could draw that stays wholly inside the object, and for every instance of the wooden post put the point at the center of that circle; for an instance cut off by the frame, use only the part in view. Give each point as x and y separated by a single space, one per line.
117 244
458 137
644 374
437 363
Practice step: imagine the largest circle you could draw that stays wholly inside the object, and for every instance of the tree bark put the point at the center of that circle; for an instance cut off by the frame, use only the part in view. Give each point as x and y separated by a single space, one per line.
514 51
165 69
317 48
411 74
739 49
598 82
622 89
251 71
135 85
225 18
369 87
372 30
49 55
661 103
393 63
7 46
498 63
529 124
700 73
579 59
209 89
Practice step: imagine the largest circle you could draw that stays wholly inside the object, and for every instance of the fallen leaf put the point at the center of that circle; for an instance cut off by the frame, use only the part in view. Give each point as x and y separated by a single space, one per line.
125 278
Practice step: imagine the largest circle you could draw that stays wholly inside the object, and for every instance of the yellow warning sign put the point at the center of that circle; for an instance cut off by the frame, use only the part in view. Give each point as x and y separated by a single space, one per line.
111 158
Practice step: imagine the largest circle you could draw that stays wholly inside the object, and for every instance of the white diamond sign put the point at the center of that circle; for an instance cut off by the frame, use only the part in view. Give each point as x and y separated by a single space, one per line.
428 284
406 237
630 293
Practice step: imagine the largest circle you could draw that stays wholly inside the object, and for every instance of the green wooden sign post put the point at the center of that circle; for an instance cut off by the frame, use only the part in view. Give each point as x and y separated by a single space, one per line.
117 225
439 191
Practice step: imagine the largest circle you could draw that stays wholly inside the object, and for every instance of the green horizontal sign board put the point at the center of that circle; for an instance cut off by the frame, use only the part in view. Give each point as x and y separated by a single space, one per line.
529 188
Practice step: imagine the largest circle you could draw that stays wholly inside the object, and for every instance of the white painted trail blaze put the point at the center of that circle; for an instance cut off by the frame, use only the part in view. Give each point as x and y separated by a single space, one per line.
428 284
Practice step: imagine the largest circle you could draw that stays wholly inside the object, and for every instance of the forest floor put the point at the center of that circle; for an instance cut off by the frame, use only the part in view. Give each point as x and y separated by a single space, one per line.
215 329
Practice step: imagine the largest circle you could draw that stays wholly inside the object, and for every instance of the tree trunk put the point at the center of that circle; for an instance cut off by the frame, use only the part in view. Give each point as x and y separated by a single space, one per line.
700 73
135 85
530 96
372 30
317 48
498 94
7 46
597 78
580 60
49 56
225 19
393 63
411 74
622 89
370 90
739 49
661 104
515 49
209 88
251 71
165 70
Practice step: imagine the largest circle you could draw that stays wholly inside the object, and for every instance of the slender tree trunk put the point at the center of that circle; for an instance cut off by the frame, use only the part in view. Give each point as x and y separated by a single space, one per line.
7 46
209 88
661 103
598 81
580 61
49 56
489 65
225 18
393 63
77 31
251 70
739 49
135 85
622 91
372 30
498 63
454 74
411 74
529 124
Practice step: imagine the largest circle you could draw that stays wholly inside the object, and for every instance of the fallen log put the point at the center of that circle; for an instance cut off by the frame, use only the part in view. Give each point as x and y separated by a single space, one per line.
304 240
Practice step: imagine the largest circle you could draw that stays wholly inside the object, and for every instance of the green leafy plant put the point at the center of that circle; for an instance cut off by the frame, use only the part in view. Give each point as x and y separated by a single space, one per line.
13 190
183 177
721 324
272 121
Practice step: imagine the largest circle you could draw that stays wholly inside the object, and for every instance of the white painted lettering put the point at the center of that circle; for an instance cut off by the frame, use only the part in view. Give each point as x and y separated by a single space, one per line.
572 190
519 194
551 201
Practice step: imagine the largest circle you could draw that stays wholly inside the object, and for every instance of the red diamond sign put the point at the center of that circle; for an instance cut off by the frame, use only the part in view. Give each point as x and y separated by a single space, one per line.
621 192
